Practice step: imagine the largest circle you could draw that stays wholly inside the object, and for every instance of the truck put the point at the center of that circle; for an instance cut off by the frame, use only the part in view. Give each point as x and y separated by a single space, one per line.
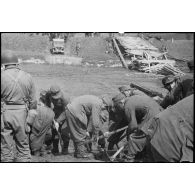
57 46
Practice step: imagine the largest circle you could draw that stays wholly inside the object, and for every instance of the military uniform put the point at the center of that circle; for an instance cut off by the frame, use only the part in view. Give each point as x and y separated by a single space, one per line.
139 111
173 129
17 96
59 103
117 120
182 89
79 113
41 123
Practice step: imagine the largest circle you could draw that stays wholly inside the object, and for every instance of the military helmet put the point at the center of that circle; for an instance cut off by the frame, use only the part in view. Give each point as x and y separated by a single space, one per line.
8 58
168 79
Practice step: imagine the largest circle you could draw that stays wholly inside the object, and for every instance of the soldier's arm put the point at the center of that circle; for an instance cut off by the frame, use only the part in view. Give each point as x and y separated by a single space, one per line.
66 101
170 99
131 117
96 109
32 95
61 119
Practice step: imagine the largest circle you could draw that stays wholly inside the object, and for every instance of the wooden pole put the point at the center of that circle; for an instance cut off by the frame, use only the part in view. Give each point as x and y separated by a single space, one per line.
120 54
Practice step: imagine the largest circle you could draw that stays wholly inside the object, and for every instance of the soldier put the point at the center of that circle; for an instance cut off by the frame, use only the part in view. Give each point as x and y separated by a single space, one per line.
117 120
40 121
59 103
17 97
190 65
79 113
178 87
78 48
172 139
139 111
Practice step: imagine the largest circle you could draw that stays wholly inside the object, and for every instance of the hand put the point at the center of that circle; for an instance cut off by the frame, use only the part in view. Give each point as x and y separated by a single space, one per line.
56 125
106 134
87 133
28 129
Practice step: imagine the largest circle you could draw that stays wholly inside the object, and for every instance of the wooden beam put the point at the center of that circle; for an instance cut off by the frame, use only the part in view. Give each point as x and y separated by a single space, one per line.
120 54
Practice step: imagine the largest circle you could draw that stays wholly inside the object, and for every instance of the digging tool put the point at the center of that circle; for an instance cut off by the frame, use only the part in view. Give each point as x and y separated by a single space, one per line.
113 157
60 144
149 92
107 133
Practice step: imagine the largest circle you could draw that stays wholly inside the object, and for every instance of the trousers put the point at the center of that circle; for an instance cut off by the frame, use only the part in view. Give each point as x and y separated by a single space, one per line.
14 139
77 129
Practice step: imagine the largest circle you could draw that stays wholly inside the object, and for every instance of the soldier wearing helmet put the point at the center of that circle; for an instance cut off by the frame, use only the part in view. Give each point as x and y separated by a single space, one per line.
178 88
17 97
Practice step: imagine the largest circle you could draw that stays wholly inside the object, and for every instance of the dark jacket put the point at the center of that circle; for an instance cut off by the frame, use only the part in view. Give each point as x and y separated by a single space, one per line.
182 89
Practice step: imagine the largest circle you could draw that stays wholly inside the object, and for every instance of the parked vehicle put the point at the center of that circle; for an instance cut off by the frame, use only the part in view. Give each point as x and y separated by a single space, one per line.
57 46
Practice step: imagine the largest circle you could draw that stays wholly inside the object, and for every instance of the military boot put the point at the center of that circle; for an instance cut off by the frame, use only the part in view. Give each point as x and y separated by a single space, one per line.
80 151
65 147
55 149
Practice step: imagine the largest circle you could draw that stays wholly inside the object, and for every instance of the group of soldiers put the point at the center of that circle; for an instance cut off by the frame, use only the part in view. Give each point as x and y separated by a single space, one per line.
159 128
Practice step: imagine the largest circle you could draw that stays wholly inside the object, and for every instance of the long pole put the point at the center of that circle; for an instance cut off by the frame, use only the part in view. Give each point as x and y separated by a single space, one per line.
120 54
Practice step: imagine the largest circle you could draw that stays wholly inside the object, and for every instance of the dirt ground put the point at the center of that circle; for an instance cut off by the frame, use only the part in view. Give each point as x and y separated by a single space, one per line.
83 79
80 80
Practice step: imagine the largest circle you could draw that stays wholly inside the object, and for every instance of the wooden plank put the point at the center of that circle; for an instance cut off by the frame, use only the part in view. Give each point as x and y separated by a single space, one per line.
157 61
120 54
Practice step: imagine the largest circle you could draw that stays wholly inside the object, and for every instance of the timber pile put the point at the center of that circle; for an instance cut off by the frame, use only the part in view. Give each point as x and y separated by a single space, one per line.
141 55
163 69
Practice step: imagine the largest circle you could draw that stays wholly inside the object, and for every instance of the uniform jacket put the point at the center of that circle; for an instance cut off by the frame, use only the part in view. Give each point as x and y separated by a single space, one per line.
87 108
182 89
41 120
17 87
174 130
41 123
139 111
59 106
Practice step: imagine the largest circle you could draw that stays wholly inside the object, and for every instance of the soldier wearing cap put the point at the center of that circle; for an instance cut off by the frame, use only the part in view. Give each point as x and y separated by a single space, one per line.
138 112
178 88
17 97
117 119
59 103
40 122
79 113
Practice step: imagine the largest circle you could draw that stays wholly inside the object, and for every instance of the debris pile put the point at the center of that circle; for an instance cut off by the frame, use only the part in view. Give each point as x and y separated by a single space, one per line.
139 54
163 69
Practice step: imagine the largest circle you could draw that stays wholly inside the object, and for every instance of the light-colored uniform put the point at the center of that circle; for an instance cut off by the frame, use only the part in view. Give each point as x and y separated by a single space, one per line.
80 112
17 96
40 127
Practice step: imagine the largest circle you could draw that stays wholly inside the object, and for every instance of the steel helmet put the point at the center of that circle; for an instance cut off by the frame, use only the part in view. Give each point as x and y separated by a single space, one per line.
8 58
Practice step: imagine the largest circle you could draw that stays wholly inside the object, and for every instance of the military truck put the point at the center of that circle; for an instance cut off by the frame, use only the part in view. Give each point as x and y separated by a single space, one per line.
57 46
